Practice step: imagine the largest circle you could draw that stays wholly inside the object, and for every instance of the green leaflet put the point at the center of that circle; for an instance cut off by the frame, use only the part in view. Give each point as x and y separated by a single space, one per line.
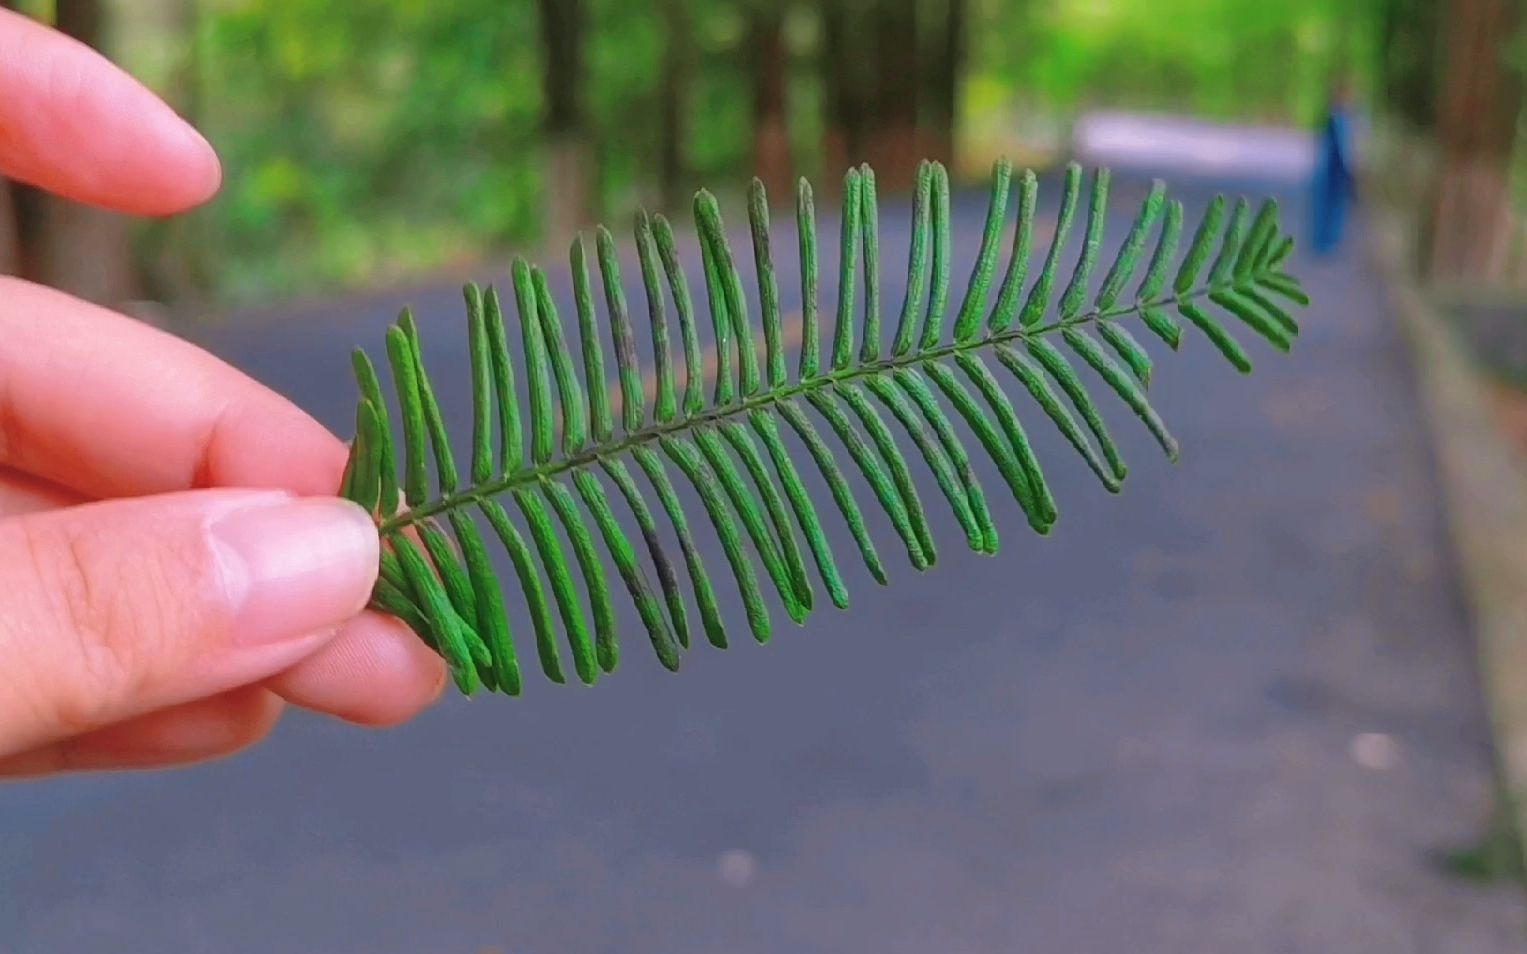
869 409
969 321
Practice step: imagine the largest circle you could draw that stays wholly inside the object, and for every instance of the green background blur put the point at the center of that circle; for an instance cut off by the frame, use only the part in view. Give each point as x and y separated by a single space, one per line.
371 142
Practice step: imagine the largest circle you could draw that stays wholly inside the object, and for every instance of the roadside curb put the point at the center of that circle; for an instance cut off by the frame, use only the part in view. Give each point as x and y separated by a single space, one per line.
1484 488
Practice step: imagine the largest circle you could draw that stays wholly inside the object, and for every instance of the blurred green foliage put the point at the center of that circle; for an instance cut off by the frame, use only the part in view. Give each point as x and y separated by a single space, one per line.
373 140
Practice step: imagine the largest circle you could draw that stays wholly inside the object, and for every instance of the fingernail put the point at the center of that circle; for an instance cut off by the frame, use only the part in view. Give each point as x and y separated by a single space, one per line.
295 566
209 175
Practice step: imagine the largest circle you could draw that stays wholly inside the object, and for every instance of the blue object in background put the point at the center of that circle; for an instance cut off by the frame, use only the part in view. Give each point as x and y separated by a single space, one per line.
1335 184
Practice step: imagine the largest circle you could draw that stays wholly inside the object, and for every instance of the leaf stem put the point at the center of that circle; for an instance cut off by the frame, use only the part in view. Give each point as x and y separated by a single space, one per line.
595 454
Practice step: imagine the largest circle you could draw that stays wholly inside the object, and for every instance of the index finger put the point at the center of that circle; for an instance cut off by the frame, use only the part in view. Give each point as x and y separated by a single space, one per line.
110 407
73 123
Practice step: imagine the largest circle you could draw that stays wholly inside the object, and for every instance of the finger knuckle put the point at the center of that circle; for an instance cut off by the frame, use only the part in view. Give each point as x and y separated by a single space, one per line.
116 616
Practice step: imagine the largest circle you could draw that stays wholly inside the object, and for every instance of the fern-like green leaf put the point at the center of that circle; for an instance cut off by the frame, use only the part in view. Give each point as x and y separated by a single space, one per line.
892 411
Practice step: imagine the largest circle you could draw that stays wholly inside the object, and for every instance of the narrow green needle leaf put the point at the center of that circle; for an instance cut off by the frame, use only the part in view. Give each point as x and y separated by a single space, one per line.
554 561
848 261
367 457
594 380
482 387
1134 243
1154 282
997 448
648 607
415 443
678 284
734 305
606 648
457 586
492 618
511 441
391 599
1044 512
869 215
721 323
1199 248
570 392
1217 335
747 510
917 262
1289 288
1039 296
767 429
387 464
1230 247
806 230
1018 261
774 505
657 316
1160 324
537 374
768 285
667 576
530 587
691 462
1253 318
1032 377
938 462
1075 295
632 393
1272 309
445 626
842 494
1264 231
938 299
916 387
705 593
1127 348
974 306
439 438
1123 385
901 474
1060 369
880 482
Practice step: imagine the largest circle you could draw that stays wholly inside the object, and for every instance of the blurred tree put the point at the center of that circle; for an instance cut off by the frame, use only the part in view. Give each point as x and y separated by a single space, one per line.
569 168
78 249
844 65
769 65
673 99
1409 44
1480 103
943 82
10 226
892 145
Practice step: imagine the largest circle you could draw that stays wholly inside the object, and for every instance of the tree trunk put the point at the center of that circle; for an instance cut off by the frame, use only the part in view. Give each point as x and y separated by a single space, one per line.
569 166
843 58
81 250
771 130
673 96
944 84
10 225
10 236
177 264
1409 45
892 146
1481 99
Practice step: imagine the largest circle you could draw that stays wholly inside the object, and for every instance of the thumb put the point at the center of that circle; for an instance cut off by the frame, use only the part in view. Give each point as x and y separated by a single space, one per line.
118 608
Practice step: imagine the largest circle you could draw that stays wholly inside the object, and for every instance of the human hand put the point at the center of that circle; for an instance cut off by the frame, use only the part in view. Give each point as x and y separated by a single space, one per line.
157 610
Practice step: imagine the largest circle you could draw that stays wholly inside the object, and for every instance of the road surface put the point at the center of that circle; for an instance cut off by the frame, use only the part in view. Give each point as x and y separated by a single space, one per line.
1233 709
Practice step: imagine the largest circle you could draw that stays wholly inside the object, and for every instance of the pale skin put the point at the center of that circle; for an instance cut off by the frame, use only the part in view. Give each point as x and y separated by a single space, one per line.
176 570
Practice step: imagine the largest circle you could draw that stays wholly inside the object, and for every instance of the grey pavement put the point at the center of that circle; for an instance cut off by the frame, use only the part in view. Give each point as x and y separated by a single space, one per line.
1234 708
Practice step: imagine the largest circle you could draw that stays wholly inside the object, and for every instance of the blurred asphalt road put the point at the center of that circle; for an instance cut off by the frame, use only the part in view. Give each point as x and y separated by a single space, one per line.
1233 709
